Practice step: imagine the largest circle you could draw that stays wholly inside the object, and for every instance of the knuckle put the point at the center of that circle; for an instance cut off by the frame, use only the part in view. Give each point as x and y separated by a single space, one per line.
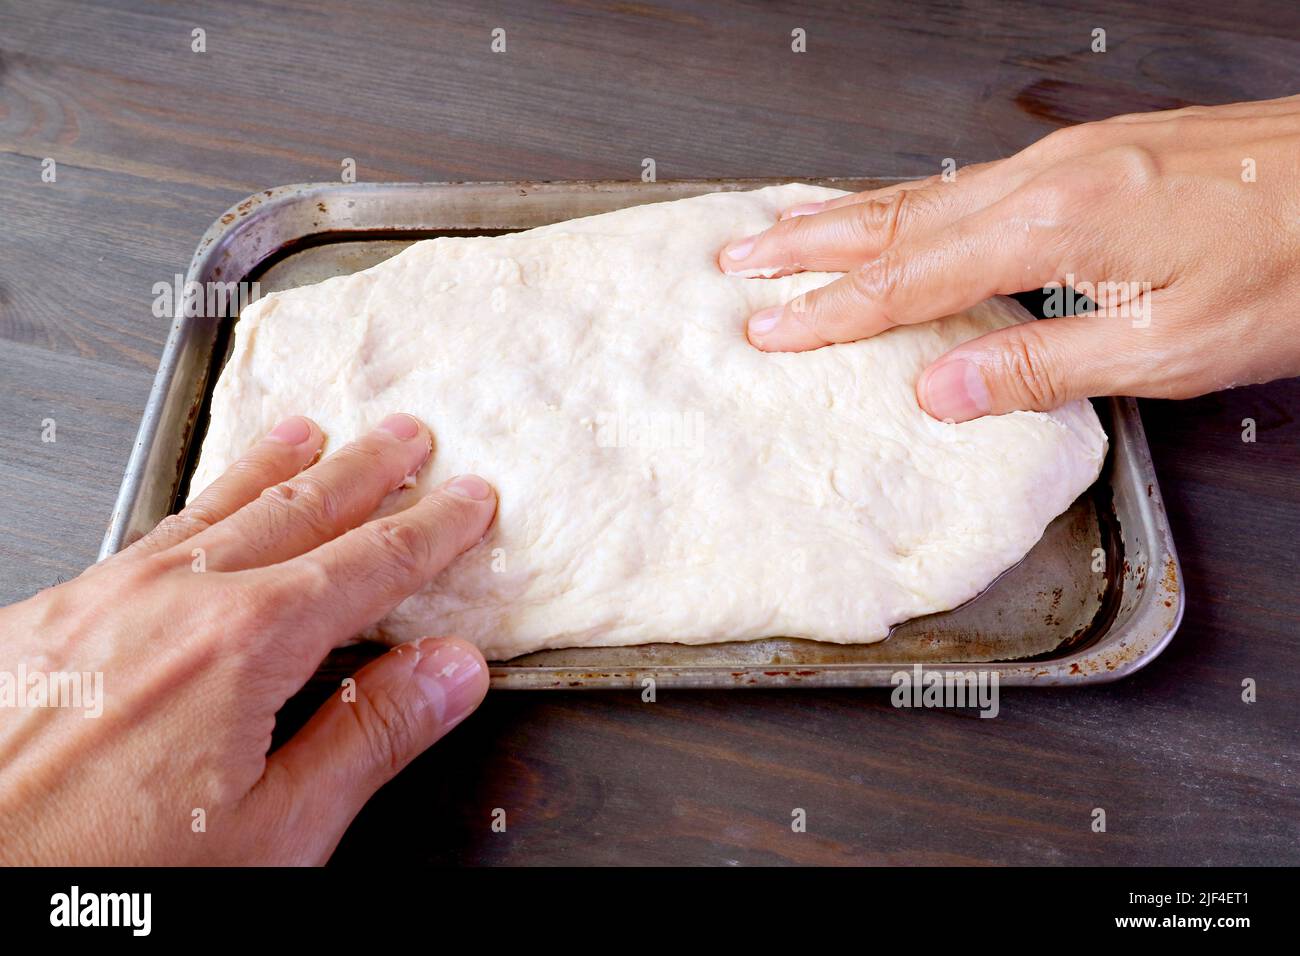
881 219
405 547
807 310
281 496
1029 372
388 727
193 518
166 535
794 232
1077 187
276 504
315 589
309 499
152 567
877 280
787 238
1050 200
907 206
180 526
1131 165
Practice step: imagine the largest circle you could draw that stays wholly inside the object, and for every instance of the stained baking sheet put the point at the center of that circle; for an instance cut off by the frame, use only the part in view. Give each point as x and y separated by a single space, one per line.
1097 597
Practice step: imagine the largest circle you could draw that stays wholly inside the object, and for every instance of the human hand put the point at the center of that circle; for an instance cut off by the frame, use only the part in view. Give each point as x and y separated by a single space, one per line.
1185 224
194 666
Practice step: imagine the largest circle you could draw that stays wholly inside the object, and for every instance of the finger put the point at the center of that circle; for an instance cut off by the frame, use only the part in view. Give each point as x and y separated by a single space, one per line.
287 449
393 710
322 502
1038 366
999 250
842 237
347 584
870 195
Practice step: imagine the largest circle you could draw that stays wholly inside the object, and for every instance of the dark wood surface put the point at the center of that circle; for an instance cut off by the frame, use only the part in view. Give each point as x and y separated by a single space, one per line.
153 141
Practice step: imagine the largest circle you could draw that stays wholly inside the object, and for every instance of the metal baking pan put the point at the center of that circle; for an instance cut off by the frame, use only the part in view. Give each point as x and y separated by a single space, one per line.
1052 619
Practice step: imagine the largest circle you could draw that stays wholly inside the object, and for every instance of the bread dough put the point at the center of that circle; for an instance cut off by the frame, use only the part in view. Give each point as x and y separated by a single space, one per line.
660 479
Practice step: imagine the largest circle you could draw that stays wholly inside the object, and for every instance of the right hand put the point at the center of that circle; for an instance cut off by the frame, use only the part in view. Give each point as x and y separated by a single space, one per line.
196 658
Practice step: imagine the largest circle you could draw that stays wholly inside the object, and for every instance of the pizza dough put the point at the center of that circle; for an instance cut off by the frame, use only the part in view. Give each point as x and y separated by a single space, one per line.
660 479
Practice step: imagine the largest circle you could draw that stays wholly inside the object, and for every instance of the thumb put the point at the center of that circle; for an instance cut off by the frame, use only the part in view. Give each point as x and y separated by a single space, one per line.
366 733
1035 366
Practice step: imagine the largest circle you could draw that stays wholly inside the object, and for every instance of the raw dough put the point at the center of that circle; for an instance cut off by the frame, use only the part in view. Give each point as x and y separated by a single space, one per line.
659 478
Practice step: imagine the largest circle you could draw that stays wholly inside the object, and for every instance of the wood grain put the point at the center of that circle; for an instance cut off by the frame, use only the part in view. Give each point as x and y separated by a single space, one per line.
153 141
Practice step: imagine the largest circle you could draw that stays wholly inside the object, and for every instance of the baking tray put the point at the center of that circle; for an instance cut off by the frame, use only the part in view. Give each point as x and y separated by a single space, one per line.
1098 597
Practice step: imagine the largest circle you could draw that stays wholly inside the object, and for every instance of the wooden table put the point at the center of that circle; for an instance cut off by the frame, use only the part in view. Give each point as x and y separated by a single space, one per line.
152 141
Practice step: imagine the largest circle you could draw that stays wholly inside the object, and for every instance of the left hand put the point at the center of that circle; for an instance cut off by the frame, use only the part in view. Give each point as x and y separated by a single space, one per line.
1185 225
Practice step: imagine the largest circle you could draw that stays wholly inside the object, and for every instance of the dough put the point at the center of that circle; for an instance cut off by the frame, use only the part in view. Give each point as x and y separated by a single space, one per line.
659 478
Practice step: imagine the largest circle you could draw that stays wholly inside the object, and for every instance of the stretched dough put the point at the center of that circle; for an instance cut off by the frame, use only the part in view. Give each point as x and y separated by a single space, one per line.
659 478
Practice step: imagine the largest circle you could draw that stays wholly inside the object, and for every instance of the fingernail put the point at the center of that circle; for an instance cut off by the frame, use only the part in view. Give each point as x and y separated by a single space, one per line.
741 248
760 323
807 209
451 678
955 391
401 426
470 486
292 431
